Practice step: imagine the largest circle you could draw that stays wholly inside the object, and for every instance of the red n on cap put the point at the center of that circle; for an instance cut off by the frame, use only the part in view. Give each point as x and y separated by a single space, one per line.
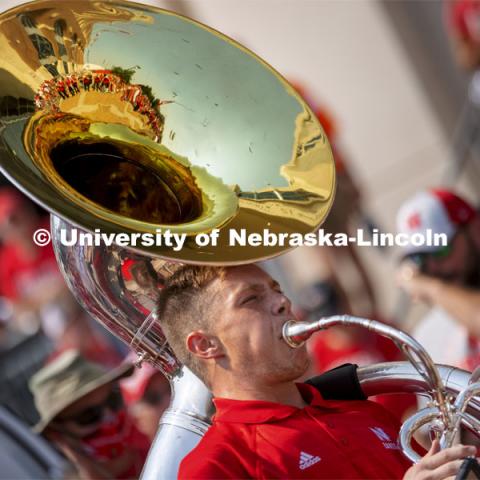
437 211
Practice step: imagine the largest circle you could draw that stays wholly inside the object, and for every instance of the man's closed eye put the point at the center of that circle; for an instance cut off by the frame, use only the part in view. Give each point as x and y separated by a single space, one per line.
249 299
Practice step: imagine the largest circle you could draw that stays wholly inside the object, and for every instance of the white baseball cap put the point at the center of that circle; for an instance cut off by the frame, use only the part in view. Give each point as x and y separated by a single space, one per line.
440 211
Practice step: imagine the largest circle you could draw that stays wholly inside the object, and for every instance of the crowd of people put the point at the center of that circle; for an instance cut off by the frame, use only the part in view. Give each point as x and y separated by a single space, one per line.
101 411
89 400
53 91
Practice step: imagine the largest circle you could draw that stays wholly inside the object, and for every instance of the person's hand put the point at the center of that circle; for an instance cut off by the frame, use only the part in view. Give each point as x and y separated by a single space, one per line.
420 287
90 468
87 468
440 464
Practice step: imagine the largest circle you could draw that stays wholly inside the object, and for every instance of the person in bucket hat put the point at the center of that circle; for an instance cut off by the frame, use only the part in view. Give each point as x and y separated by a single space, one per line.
444 276
82 412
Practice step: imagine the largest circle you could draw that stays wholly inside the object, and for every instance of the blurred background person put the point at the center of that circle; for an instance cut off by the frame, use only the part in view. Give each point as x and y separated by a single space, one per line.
83 414
33 296
463 22
29 275
40 318
147 394
462 18
9 336
444 277
79 331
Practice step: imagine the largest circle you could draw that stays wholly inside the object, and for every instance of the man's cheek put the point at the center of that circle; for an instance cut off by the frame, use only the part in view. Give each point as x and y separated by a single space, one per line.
260 342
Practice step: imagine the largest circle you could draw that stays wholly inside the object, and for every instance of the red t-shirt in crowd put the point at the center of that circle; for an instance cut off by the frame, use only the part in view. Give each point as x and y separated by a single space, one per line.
116 439
325 439
19 275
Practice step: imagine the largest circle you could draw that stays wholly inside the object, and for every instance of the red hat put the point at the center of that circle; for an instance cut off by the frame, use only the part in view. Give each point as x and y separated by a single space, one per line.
463 17
440 211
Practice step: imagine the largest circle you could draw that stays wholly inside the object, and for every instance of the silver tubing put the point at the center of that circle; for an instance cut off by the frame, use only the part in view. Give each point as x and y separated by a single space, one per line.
410 426
181 427
443 415
296 333
460 405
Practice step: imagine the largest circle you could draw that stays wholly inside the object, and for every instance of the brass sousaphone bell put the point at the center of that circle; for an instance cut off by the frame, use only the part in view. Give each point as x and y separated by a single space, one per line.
122 118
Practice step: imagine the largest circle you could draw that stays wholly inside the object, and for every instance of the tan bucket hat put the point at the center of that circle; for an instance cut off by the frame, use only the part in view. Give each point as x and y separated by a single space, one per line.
67 379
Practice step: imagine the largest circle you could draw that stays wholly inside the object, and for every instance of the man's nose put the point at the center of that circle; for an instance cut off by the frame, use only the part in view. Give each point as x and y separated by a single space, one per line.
281 305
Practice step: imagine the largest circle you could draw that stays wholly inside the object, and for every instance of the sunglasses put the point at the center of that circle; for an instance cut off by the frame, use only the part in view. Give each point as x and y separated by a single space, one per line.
153 398
420 259
95 413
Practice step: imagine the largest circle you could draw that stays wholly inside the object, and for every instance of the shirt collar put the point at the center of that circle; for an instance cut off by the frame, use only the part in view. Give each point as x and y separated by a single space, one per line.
259 411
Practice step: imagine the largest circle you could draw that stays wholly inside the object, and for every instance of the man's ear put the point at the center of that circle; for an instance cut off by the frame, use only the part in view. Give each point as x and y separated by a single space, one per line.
203 345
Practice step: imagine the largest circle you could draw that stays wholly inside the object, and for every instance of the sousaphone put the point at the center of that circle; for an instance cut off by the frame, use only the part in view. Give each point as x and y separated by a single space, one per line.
123 118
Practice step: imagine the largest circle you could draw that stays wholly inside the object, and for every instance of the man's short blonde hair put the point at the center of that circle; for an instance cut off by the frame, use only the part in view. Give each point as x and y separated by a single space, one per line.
184 306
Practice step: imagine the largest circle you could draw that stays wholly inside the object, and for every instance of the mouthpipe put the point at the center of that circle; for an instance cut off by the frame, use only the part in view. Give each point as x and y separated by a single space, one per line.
296 333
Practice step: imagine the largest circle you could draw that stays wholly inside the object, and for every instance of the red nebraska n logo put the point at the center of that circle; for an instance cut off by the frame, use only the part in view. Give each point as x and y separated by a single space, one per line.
414 221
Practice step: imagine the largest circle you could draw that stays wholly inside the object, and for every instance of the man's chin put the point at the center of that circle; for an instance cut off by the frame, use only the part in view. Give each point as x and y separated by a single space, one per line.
290 373
300 368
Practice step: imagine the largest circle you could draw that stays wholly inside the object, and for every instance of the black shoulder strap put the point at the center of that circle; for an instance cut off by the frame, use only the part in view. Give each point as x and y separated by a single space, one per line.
470 469
341 383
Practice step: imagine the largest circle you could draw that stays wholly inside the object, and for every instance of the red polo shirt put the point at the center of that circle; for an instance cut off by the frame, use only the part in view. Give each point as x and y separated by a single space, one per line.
325 439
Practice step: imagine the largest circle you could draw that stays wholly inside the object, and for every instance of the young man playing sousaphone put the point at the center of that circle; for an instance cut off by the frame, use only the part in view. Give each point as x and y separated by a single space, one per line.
226 325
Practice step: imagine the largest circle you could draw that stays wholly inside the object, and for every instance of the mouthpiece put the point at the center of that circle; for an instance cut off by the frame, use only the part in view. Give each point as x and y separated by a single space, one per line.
297 333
